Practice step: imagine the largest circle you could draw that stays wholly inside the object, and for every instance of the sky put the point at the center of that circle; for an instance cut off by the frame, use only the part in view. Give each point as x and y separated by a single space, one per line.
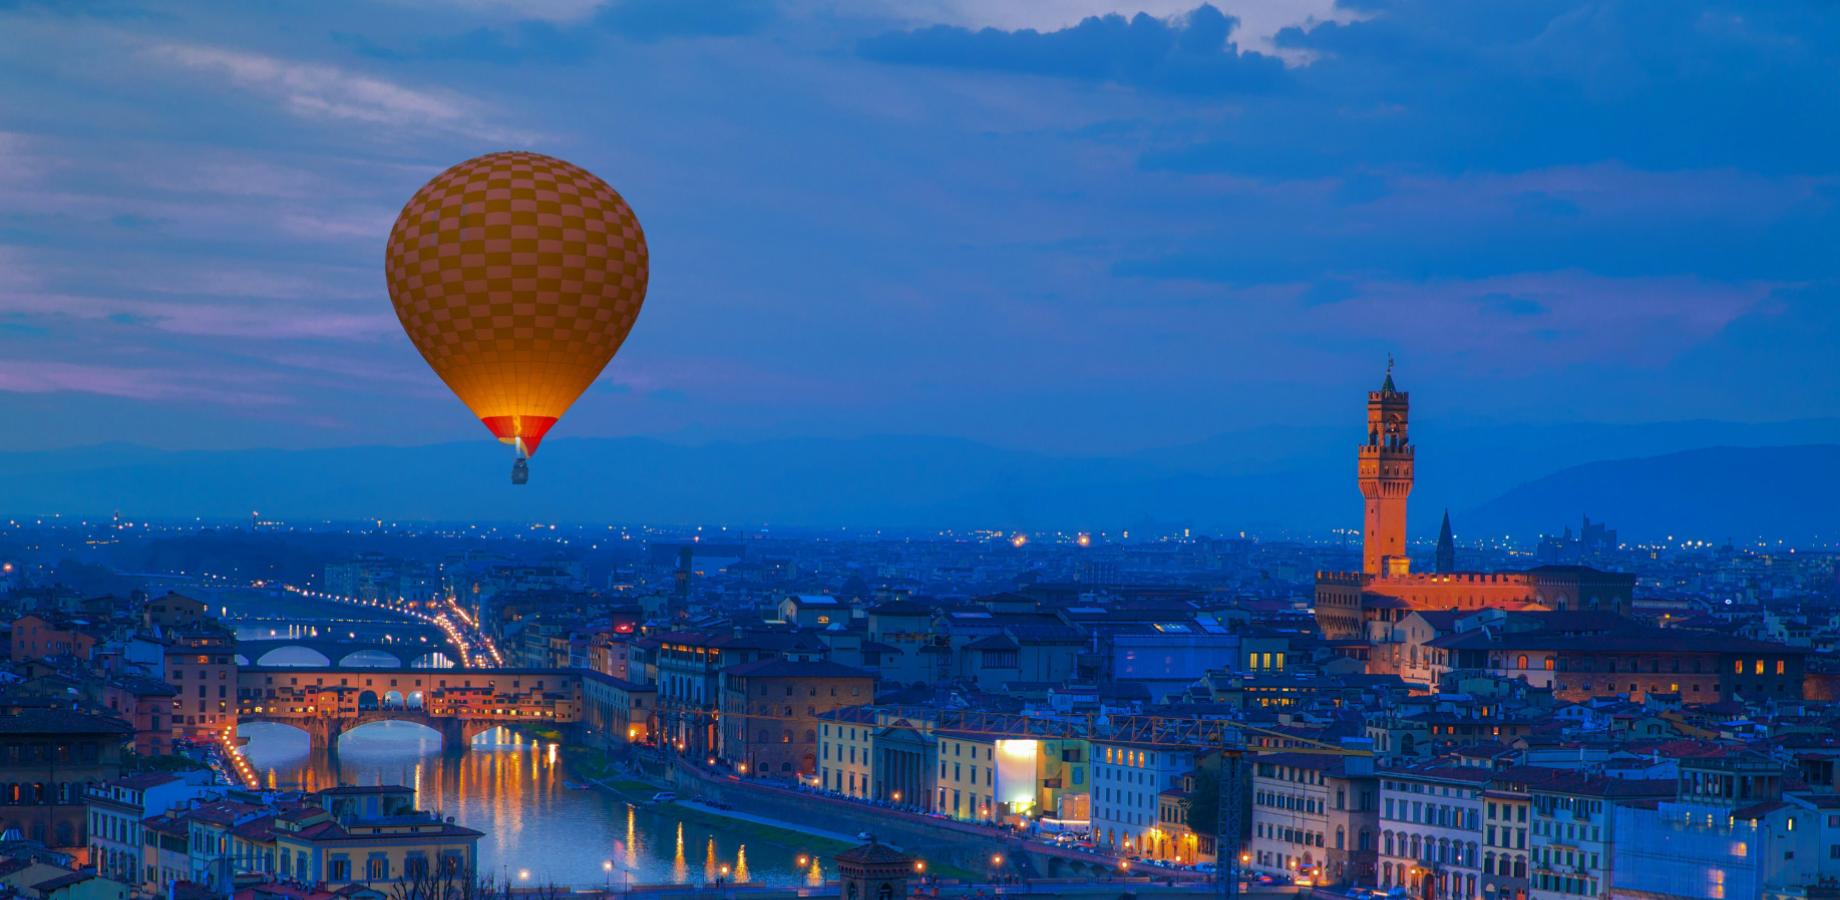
1063 225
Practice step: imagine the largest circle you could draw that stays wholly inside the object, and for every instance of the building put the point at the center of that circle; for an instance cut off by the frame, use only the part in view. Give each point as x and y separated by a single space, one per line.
622 711
1573 837
1730 831
1579 657
967 783
846 747
1346 602
165 852
117 809
1507 817
201 665
771 709
370 836
813 610
49 760
1175 837
1315 817
1431 830
874 872
210 826
146 704
1128 780
173 611
688 673
37 636
39 879
611 654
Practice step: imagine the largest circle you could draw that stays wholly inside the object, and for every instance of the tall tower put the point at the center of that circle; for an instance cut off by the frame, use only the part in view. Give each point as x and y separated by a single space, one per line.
1385 476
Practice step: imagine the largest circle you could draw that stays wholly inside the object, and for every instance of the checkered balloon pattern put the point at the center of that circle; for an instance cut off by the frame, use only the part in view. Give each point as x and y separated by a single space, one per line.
517 276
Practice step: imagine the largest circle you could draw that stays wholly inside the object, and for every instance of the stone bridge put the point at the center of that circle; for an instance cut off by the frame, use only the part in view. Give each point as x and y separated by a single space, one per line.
323 731
334 653
458 703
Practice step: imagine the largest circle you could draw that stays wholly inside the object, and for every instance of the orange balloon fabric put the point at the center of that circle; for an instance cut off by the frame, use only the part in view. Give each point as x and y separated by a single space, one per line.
517 276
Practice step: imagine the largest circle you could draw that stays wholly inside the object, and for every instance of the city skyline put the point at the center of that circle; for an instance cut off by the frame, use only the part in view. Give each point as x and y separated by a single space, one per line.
1109 235
1239 450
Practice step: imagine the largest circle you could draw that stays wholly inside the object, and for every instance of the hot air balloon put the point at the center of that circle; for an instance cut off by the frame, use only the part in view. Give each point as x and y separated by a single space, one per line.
517 276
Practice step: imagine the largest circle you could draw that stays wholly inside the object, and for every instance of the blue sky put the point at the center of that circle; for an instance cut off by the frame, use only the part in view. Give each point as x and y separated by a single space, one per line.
1065 224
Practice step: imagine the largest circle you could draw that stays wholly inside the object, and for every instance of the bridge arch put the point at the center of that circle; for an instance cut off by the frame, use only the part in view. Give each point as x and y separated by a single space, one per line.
296 655
413 700
393 699
367 701
370 658
422 723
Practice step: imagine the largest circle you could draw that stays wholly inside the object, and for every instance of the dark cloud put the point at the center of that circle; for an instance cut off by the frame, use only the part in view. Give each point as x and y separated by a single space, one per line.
1465 84
511 44
1192 54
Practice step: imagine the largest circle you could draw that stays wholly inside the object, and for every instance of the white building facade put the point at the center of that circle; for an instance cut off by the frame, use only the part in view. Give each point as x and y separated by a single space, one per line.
1431 829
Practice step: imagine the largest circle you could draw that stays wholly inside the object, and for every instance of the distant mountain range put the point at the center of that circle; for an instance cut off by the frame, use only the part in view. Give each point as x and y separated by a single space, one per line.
1712 494
1517 481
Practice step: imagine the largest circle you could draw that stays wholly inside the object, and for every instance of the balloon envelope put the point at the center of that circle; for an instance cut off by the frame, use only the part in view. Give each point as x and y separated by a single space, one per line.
517 276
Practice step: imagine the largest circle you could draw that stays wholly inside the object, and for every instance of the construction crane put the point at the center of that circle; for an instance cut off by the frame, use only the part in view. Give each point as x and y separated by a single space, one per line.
1224 736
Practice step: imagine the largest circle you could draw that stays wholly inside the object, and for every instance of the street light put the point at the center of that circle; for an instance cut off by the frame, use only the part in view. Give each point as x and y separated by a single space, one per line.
996 859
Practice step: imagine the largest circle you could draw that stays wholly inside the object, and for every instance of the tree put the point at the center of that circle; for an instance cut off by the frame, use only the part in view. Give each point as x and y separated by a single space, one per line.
449 883
1204 802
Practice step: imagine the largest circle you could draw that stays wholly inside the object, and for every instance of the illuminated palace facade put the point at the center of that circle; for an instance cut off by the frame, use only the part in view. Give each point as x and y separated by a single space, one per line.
1352 605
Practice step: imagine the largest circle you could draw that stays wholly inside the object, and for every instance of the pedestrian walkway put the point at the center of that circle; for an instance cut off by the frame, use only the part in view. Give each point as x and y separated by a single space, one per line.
702 807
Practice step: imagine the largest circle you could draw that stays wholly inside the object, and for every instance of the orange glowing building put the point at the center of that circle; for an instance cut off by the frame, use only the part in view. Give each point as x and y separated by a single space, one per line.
1358 606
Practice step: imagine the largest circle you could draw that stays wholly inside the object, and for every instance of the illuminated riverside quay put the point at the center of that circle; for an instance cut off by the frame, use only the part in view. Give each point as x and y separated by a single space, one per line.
538 828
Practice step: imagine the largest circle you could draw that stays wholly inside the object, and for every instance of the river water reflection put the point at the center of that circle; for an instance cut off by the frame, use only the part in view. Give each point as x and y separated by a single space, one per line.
537 828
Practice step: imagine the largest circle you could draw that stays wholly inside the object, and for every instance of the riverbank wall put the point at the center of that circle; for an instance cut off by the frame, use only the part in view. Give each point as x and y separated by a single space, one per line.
971 848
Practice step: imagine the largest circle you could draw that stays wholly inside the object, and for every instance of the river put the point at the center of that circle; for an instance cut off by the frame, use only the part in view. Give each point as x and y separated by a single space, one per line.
537 829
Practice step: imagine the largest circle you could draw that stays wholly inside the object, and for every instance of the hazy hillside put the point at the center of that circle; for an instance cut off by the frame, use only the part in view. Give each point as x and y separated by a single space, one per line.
1711 494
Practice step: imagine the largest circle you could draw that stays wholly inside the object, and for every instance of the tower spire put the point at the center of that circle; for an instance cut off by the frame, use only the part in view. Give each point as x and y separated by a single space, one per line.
1446 548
